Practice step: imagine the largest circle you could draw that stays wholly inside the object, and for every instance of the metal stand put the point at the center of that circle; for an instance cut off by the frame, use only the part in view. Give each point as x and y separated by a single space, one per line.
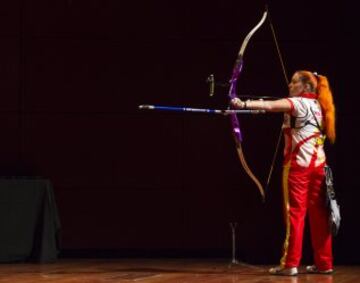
233 226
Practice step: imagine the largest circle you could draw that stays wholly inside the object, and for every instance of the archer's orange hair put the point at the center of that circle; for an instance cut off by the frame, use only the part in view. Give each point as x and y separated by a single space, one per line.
320 85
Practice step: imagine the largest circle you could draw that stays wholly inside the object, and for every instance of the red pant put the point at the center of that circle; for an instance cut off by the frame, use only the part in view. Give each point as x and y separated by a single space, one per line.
304 192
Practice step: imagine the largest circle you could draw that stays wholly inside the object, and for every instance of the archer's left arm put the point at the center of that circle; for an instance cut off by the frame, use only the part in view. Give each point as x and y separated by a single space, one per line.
280 105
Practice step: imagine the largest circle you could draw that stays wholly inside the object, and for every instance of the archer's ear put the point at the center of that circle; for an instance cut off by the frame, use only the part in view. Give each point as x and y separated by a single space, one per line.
308 87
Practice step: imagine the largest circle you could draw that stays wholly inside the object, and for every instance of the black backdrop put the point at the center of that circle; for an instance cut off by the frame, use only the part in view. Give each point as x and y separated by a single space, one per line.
139 183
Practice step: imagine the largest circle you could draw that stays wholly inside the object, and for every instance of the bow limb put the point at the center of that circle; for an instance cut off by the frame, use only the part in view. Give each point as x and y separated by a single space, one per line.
251 33
248 170
232 94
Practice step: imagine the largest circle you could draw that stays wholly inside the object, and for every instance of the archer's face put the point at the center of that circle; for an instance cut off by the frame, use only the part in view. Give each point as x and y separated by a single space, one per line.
296 87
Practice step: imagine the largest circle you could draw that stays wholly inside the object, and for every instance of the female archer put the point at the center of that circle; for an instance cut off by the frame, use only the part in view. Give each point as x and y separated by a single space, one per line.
309 118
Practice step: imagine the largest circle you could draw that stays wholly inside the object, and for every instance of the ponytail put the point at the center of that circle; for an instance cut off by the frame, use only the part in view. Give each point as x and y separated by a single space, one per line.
327 105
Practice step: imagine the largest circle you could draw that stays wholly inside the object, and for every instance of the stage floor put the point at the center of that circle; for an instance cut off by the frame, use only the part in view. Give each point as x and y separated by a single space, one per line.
160 271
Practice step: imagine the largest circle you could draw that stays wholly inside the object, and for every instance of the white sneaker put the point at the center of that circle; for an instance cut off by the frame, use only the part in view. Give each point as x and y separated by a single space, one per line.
278 270
314 269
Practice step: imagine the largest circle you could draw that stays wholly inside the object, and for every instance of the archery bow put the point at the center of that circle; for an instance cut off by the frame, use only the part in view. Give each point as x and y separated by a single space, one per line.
232 94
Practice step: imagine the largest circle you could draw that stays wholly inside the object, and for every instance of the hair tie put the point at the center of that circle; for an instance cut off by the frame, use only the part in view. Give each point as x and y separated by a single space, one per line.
316 75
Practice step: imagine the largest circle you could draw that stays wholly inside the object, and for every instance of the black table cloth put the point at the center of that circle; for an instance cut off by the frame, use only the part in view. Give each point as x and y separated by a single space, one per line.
29 222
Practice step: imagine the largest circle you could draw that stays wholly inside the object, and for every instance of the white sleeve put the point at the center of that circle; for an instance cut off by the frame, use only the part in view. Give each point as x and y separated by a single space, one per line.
299 109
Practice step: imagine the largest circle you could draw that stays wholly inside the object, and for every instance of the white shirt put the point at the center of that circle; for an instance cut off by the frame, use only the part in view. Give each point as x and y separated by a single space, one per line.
304 141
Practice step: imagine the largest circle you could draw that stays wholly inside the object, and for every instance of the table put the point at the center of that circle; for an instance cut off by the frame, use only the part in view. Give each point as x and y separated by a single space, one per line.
29 221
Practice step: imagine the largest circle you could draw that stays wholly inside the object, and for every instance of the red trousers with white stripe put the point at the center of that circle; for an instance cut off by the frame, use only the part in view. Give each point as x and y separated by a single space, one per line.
304 193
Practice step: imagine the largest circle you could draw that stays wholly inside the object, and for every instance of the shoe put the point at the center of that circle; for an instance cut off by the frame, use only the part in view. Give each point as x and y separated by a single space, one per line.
278 270
315 270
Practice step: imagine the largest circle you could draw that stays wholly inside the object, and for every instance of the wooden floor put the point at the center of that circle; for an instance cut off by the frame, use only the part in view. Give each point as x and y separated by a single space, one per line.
160 271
